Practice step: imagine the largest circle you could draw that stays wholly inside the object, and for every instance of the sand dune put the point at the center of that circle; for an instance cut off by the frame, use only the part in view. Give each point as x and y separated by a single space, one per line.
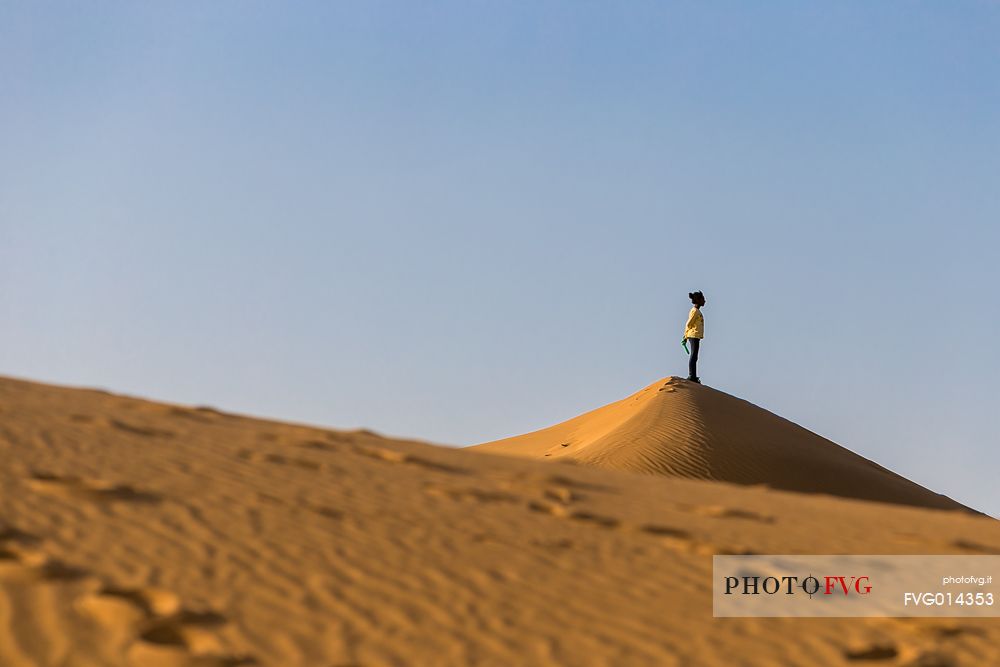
679 428
142 534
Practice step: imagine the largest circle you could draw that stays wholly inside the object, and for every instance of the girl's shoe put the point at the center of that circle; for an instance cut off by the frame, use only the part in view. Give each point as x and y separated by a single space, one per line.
694 379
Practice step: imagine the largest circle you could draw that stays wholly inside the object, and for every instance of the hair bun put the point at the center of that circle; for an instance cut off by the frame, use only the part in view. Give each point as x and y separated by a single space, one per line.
690 295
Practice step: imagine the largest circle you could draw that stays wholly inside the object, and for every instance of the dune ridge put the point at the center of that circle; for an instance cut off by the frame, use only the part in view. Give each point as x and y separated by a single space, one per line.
144 534
679 428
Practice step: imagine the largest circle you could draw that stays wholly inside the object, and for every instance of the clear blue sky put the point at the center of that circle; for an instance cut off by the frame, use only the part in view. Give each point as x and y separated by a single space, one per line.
466 220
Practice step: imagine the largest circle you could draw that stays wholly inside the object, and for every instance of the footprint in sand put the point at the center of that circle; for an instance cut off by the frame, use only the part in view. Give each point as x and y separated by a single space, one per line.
951 631
11 534
91 490
472 494
682 541
963 544
304 464
250 455
872 652
885 651
552 509
393 456
318 444
291 461
156 630
570 483
334 442
723 512
22 561
665 531
560 510
145 431
596 519
933 659
676 539
201 416
562 494
975 547
151 602
558 544
122 613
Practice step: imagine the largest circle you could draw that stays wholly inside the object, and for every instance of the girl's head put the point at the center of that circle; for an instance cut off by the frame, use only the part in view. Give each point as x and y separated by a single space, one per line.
697 298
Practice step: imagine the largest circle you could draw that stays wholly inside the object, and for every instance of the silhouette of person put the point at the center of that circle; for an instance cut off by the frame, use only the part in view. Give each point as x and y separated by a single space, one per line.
694 331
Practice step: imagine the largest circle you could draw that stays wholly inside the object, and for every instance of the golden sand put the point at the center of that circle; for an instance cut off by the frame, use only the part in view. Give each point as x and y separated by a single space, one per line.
144 534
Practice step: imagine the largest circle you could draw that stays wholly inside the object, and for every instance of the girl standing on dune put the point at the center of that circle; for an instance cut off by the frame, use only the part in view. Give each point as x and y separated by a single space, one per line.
694 331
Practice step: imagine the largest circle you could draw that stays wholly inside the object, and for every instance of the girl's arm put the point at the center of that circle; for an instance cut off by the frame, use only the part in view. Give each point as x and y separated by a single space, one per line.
691 317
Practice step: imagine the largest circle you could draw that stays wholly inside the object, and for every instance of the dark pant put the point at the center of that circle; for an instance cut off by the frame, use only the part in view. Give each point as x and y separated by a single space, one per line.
693 361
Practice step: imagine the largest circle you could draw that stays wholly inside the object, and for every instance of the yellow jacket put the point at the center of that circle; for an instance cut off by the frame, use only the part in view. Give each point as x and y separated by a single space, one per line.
695 327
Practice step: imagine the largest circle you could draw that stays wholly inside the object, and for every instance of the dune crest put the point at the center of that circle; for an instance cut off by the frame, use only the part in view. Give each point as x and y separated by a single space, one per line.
679 428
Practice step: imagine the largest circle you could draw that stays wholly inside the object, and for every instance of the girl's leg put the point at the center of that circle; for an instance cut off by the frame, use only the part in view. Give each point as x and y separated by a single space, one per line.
693 361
